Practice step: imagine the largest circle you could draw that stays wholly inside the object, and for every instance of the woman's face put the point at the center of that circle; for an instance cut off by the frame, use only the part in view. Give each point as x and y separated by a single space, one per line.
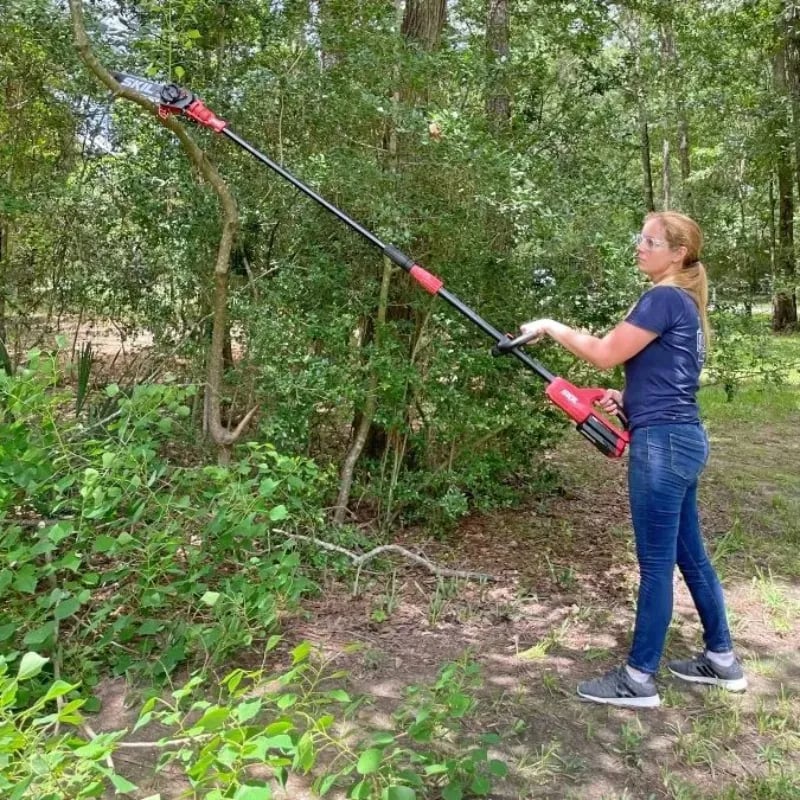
653 254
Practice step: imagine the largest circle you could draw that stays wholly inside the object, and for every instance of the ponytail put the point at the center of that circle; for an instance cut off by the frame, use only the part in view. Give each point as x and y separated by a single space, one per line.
683 231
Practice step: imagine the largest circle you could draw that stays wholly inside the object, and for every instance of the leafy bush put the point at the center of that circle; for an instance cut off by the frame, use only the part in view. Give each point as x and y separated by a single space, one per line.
138 560
742 351
37 758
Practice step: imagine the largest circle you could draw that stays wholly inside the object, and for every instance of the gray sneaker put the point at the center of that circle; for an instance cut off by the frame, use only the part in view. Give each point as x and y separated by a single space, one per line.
617 688
701 669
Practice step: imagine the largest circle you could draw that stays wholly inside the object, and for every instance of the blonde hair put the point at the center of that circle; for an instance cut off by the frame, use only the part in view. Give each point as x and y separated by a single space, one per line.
683 231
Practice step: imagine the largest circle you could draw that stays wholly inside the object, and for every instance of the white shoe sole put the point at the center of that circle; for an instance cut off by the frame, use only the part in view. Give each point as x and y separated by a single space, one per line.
733 685
625 702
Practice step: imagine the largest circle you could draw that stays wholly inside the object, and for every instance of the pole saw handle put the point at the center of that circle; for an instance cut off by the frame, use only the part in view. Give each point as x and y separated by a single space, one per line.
507 345
579 405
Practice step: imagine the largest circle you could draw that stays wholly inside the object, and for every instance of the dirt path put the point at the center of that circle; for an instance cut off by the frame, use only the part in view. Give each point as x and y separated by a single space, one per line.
562 612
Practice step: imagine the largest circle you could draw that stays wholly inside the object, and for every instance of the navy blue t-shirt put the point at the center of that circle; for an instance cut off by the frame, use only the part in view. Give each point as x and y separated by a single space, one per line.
661 381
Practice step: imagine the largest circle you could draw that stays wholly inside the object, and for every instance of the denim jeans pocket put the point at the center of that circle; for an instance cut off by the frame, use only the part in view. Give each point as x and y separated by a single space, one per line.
688 455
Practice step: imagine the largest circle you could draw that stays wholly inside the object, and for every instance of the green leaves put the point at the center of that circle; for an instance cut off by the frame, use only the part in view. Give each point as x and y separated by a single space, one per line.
30 666
220 742
369 761
399 793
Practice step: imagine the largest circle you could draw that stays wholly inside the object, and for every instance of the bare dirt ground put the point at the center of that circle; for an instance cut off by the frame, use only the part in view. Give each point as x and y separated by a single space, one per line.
560 612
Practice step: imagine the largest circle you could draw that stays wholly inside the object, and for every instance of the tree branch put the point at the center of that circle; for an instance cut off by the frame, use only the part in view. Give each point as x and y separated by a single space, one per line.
360 560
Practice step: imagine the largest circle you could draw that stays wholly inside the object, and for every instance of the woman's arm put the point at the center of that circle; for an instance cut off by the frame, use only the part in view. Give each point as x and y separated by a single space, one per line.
616 347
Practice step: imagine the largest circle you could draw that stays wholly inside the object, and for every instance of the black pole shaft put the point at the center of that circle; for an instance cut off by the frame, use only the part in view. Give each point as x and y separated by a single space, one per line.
495 334
298 184
471 315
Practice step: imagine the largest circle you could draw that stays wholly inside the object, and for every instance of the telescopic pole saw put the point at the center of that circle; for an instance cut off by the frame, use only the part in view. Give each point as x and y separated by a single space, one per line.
576 403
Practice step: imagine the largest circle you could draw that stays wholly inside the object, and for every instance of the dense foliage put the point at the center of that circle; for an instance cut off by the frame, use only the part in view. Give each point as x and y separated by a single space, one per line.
523 207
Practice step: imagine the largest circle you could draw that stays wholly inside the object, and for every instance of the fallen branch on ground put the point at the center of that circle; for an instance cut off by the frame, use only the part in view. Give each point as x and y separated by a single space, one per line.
360 560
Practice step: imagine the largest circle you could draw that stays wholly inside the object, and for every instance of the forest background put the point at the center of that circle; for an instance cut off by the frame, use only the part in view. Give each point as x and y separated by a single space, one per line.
274 381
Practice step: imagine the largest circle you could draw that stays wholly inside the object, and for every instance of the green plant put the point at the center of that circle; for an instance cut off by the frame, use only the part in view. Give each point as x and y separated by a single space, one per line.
386 603
260 728
436 753
38 758
742 351
446 589
84 366
117 544
631 738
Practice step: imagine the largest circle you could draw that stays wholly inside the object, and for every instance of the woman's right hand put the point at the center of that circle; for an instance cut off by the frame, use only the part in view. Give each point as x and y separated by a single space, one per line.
611 401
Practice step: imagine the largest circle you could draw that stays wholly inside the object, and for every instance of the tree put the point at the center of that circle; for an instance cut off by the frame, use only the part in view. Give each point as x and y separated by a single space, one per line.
785 301
498 99
220 435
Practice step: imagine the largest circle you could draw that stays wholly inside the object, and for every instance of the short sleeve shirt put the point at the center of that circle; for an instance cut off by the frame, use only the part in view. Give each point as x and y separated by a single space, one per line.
661 381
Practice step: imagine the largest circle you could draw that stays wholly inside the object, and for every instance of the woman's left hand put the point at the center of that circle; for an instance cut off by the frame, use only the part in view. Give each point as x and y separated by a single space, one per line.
536 328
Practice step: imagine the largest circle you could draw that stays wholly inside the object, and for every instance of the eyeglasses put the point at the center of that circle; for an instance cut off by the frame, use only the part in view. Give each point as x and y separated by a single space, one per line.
648 241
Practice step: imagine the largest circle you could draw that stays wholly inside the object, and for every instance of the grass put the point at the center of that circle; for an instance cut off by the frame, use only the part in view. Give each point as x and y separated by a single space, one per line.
752 475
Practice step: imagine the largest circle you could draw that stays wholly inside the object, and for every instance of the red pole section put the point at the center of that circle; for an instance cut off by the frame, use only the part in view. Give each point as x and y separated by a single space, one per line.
427 280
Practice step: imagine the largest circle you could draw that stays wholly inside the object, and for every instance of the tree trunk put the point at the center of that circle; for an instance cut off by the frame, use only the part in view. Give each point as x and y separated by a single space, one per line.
5 359
3 274
676 100
665 174
423 22
784 308
684 157
370 406
498 98
647 170
791 76
784 312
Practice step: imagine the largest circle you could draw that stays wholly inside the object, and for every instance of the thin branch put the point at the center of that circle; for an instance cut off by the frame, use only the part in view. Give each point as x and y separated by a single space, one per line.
360 560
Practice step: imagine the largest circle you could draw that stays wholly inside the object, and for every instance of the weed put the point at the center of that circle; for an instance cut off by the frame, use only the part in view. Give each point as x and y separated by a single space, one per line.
290 722
631 737
446 590
539 650
731 543
782 611
677 788
386 604
551 683
548 763
563 576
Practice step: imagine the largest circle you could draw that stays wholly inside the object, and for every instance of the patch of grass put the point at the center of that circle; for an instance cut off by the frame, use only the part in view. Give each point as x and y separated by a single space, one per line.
780 718
713 730
672 697
778 404
597 653
677 788
549 763
778 784
446 590
552 683
538 651
782 610
631 738
751 480
766 668
731 543
385 605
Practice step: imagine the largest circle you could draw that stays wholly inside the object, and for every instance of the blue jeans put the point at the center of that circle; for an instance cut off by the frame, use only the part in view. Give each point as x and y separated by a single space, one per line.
664 466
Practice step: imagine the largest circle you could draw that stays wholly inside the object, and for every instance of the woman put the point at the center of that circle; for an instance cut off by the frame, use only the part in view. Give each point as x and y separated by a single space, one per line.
661 342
